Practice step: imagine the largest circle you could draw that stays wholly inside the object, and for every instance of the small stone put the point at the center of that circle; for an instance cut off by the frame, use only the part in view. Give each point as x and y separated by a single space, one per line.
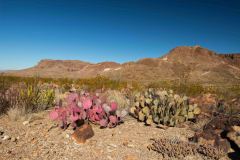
113 145
125 143
98 151
26 123
236 128
130 145
13 139
46 153
234 137
6 137
67 136
110 150
130 157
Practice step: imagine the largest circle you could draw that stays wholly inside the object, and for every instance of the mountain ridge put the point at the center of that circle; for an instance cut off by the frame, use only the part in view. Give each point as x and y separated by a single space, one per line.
197 63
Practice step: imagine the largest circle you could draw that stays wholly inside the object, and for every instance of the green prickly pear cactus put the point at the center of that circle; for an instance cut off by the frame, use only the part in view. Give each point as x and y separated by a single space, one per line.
162 107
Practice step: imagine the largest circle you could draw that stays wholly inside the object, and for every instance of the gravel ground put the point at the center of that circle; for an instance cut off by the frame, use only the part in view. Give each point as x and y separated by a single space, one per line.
41 139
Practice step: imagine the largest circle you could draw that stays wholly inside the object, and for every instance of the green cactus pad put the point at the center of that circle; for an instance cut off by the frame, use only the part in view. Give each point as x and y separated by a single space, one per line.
197 111
149 120
146 111
141 116
148 100
190 115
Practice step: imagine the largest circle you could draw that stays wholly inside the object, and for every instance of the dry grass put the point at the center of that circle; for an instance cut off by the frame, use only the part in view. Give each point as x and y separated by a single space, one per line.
16 114
117 96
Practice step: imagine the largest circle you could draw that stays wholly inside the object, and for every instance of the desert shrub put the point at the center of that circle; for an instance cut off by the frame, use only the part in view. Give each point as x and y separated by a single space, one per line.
162 107
16 113
100 82
30 96
3 103
191 89
7 97
34 97
180 149
87 107
118 97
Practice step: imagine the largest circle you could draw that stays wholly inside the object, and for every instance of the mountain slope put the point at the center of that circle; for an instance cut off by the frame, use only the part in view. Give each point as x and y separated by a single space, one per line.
196 64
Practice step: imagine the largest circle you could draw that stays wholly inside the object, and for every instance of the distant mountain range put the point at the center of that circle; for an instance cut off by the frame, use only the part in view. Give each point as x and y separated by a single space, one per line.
195 63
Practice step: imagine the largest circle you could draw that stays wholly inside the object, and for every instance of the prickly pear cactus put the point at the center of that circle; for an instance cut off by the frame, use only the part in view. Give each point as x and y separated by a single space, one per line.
162 107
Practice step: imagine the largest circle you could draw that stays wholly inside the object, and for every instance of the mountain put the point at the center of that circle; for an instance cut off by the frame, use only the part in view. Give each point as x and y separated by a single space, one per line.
195 63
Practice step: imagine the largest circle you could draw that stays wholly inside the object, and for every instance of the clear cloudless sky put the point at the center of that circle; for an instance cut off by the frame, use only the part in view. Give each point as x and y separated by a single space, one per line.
113 30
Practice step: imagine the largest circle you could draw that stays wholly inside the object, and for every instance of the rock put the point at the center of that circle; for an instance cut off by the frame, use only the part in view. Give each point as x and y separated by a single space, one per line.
83 133
110 150
130 157
236 128
113 145
130 145
67 136
46 152
13 139
6 137
125 143
26 123
98 151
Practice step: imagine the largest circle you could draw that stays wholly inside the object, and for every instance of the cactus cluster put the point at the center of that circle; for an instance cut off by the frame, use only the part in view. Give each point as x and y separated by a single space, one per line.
162 107
86 107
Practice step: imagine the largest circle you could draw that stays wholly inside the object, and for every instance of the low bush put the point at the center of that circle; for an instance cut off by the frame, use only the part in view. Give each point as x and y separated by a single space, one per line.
26 97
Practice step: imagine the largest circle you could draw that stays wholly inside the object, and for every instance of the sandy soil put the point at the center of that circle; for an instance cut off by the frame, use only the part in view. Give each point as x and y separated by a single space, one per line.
41 139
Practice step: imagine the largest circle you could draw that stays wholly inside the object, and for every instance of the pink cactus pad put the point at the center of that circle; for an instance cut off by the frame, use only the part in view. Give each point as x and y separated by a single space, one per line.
53 115
113 106
72 97
103 123
74 117
87 103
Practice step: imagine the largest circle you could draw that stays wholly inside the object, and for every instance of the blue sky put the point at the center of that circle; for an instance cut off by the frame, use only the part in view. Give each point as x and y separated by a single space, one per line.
120 30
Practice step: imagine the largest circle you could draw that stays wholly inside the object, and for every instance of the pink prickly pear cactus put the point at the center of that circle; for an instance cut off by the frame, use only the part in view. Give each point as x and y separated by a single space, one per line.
59 114
89 108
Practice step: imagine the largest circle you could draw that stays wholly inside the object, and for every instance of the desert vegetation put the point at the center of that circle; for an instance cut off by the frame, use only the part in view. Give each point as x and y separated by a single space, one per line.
209 113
